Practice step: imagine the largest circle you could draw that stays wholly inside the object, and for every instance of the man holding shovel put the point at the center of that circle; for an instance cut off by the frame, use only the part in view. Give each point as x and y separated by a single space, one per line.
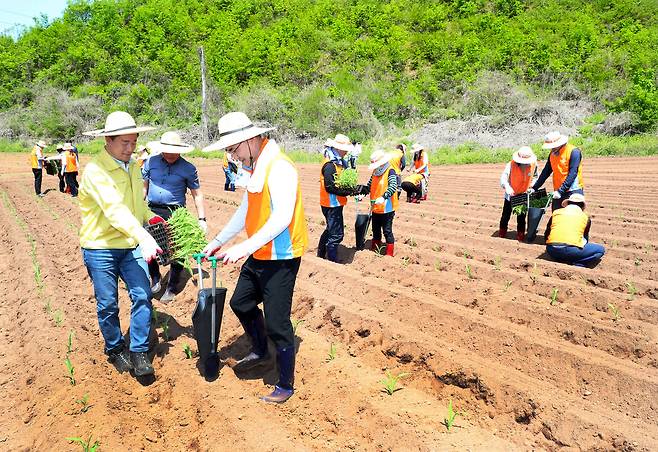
271 212
114 243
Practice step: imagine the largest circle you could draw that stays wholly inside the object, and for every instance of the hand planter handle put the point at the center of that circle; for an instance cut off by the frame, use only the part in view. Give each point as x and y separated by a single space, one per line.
199 257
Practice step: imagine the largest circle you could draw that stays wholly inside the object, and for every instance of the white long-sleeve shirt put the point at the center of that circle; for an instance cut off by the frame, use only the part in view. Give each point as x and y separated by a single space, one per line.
282 185
504 179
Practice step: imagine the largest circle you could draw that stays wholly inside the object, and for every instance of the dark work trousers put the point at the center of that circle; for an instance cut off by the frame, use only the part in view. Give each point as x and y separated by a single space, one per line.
272 283
38 176
72 182
62 184
507 213
383 221
175 268
412 190
334 232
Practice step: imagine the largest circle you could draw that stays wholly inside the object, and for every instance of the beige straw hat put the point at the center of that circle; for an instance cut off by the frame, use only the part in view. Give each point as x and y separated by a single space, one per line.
234 128
170 143
118 123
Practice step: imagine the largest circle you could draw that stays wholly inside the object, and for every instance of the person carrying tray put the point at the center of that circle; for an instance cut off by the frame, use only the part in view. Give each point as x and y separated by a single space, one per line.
516 179
272 214
568 234
565 162
114 243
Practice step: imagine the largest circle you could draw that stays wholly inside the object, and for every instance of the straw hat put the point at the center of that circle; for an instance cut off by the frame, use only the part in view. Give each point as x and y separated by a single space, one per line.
575 197
170 143
554 140
68 147
42 144
235 127
118 123
378 158
417 147
524 156
340 142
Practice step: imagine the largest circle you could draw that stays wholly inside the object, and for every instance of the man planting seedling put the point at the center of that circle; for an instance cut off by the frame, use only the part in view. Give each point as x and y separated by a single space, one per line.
516 179
271 212
114 243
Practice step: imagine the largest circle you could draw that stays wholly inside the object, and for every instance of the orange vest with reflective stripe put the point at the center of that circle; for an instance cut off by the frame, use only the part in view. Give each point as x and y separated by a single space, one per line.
378 187
519 178
293 240
71 162
568 226
396 161
225 160
560 167
414 179
418 163
329 199
34 160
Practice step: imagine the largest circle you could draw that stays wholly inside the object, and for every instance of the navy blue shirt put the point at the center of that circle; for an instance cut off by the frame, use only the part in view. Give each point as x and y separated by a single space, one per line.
169 183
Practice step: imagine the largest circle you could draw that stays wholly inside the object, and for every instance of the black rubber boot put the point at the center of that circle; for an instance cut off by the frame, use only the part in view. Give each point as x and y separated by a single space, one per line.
255 329
283 390
120 359
141 364
332 253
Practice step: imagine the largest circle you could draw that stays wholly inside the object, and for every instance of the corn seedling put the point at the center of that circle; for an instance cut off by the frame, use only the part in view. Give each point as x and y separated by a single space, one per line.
186 235
348 178
188 351
437 265
450 416
615 312
507 285
497 261
84 403
469 272
295 325
467 254
632 290
332 352
165 327
87 446
47 307
554 297
637 262
412 242
405 261
58 317
69 342
71 371
381 250
390 382
437 248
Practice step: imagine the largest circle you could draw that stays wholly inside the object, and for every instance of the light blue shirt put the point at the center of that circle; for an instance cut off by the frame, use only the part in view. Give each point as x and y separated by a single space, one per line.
169 183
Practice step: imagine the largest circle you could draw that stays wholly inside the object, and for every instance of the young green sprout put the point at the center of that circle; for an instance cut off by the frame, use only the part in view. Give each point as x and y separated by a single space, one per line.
450 416
507 285
390 382
165 328
295 324
348 178
615 311
71 371
47 307
69 342
469 272
332 352
412 242
58 317
188 351
84 403
467 254
554 297
632 290
405 261
87 446
437 265
497 261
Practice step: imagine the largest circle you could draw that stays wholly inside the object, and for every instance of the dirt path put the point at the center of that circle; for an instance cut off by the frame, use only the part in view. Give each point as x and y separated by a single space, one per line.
523 373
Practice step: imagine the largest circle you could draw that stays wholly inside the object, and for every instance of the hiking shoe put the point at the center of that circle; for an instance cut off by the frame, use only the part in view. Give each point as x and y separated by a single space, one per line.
279 395
121 360
167 296
156 287
141 364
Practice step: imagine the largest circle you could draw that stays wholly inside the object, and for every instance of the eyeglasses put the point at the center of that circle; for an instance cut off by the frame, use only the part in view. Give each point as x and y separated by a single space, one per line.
233 149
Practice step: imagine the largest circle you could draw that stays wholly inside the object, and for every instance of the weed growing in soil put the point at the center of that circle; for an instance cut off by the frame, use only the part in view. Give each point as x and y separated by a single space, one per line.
390 382
295 325
632 290
87 446
332 352
69 342
71 371
84 403
615 312
554 296
450 417
188 351
58 317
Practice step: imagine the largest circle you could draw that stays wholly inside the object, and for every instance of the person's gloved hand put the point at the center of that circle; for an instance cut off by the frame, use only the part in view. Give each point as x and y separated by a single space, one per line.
380 200
203 225
211 248
509 190
531 190
149 247
556 195
156 219
359 197
234 254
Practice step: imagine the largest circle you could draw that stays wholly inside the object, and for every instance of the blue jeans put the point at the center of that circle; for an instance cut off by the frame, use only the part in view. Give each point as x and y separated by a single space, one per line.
104 268
576 256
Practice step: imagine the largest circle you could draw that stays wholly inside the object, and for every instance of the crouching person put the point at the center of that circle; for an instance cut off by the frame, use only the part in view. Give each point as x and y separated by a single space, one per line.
413 185
383 190
271 212
568 234
113 211
517 177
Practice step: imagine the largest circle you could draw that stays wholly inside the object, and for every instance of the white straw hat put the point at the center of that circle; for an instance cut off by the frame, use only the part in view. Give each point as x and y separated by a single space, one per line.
554 140
170 143
234 128
575 197
417 147
42 144
68 147
340 142
118 123
378 158
524 156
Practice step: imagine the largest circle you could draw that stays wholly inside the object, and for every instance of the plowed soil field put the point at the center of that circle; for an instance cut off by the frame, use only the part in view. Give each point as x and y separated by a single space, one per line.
524 369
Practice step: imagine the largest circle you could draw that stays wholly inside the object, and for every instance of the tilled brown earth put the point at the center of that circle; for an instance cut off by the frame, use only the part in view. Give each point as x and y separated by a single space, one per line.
524 373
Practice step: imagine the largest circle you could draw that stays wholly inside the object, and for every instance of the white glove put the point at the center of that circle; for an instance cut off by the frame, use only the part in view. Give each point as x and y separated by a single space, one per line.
509 190
211 248
531 191
380 200
203 225
149 248
234 253
556 195
359 197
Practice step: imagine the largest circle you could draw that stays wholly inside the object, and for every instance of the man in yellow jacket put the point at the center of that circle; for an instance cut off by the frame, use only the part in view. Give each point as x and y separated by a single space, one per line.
36 161
272 214
114 242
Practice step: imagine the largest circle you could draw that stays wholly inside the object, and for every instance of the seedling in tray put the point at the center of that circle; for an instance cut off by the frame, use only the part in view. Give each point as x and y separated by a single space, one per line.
179 238
348 178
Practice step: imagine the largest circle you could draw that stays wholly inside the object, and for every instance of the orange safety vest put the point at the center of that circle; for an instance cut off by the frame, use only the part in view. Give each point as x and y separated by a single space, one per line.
414 179
329 199
396 161
34 160
418 162
378 187
71 162
560 167
292 241
568 226
520 179
225 160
